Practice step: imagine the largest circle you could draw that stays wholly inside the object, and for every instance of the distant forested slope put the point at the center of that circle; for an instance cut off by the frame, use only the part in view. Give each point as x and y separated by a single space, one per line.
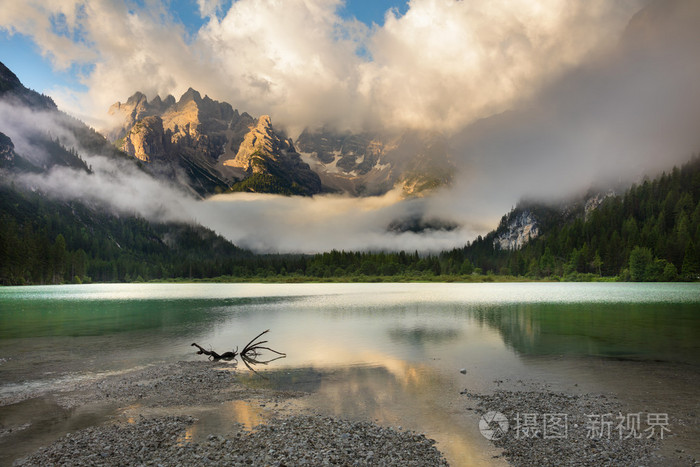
650 233
43 241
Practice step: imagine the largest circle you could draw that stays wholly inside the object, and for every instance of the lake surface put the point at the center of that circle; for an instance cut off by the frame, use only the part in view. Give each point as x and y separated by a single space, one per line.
387 352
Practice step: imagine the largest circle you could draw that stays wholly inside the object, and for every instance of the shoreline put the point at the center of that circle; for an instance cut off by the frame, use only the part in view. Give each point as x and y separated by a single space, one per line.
447 279
168 415
200 413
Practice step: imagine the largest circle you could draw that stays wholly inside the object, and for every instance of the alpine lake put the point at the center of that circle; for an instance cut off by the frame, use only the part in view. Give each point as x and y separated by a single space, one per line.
395 354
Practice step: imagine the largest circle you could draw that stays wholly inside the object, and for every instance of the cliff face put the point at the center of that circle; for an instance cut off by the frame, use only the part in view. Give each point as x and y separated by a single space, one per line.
212 143
271 163
134 109
146 140
530 219
372 164
261 141
517 230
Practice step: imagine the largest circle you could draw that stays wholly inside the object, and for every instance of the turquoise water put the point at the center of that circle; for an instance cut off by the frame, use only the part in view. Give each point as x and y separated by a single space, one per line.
379 351
106 327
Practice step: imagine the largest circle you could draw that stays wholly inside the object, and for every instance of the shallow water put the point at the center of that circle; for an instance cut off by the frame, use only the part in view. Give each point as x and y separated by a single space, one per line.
388 352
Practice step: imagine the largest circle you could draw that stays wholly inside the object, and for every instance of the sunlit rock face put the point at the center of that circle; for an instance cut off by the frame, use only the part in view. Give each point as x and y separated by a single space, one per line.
219 148
214 145
518 229
260 141
146 139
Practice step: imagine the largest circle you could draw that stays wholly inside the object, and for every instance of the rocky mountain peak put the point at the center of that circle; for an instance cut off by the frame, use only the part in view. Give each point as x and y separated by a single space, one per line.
190 95
260 140
134 109
213 143
265 122
145 141
138 98
371 163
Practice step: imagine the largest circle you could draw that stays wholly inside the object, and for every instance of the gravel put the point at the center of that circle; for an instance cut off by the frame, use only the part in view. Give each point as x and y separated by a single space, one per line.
169 397
171 394
297 440
582 444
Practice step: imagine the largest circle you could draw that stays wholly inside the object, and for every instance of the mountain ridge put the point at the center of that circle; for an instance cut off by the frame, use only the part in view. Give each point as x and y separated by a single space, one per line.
219 140
210 141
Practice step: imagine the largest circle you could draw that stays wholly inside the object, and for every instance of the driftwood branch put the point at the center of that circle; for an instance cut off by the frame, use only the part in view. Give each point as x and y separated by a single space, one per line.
252 347
215 356
249 354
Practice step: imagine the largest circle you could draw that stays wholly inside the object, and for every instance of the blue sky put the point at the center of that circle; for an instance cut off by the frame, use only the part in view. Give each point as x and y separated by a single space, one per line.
372 11
24 58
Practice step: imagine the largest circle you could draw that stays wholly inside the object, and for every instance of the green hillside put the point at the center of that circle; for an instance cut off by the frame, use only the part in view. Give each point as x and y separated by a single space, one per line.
650 233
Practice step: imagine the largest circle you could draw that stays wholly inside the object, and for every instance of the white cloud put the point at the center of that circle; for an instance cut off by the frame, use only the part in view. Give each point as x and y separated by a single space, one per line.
448 63
322 223
442 65
51 24
209 8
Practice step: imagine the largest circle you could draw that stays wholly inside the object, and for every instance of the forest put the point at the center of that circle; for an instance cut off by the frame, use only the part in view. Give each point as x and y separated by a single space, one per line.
649 233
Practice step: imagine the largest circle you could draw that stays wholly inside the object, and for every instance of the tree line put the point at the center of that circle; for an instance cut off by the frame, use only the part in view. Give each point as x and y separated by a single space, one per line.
650 233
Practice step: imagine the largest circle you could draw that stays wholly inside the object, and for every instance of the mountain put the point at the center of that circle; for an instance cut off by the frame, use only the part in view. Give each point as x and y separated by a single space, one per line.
366 164
46 241
210 147
529 219
220 149
49 131
272 164
10 160
11 89
649 233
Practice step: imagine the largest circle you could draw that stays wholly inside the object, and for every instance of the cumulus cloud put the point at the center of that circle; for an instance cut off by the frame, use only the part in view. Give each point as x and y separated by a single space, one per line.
445 64
55 26
209 8
442 65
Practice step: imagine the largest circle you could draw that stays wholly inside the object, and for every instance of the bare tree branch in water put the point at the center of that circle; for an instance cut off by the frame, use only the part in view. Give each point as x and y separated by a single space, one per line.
215 356
249 354
252 347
